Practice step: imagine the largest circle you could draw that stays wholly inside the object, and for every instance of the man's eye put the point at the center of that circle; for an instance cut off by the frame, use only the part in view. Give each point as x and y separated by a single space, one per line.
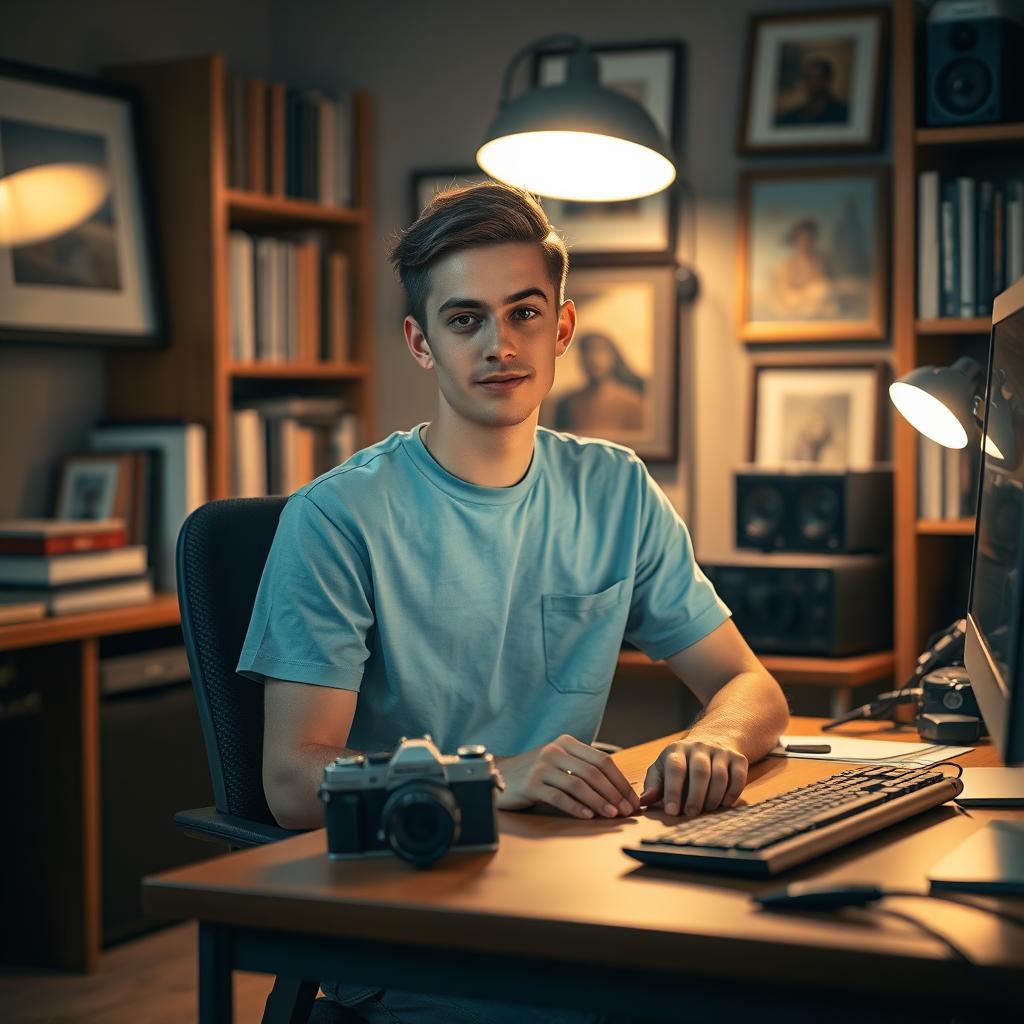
463 320
526 313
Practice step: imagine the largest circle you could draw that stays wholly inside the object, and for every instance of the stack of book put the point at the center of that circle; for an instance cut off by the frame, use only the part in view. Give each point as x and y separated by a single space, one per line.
60 566
970 243
280 444
289 142
289 300
947 485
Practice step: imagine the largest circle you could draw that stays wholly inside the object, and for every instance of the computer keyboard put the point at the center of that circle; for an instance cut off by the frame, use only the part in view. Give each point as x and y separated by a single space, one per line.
785 830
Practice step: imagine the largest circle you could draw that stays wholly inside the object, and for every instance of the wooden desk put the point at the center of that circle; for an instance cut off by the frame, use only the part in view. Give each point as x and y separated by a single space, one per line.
559 915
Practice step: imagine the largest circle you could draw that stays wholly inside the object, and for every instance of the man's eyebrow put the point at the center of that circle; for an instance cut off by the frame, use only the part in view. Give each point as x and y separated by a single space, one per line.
457 303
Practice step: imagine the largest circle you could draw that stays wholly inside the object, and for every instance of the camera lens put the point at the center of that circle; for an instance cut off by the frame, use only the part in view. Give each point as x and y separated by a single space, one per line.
421 820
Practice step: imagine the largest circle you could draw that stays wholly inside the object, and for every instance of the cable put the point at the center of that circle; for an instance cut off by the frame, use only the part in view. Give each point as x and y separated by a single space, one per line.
1005 915
929 930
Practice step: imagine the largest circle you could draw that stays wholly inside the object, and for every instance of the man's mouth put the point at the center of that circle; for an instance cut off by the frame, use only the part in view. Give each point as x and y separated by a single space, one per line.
502 381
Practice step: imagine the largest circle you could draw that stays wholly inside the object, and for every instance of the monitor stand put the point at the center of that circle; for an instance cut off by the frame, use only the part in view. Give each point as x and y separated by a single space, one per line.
989 862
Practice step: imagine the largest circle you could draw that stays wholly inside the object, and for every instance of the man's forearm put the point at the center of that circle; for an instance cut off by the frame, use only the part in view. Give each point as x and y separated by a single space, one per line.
292 789
748 713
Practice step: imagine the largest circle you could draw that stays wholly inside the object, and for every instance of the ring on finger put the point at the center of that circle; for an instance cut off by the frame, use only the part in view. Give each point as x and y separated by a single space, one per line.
569 771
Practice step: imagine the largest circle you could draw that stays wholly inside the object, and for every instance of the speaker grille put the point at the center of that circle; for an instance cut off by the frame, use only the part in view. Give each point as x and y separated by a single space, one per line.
964 86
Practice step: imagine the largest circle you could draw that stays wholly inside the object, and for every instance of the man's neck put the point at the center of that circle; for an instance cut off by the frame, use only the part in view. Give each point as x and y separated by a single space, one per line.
481 455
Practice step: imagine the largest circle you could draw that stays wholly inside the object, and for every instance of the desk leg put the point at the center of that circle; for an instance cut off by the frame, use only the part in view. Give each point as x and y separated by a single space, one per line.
842 701
215 996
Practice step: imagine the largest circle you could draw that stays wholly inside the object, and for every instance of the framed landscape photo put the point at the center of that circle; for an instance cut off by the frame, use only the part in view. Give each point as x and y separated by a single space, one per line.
427 183
96 485
634 229
813 255
814 82
617 380
829 414
77 246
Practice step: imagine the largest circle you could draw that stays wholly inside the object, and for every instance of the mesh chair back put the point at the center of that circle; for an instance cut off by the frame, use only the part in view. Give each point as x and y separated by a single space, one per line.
222 548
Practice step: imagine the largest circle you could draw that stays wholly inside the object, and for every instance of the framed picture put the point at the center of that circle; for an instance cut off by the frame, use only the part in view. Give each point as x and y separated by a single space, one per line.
617 380
96 485
828 414
635 229
813 255
426 184
77 243
814 82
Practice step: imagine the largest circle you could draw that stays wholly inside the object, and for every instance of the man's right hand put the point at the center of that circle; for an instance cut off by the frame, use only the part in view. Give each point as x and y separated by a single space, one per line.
570 775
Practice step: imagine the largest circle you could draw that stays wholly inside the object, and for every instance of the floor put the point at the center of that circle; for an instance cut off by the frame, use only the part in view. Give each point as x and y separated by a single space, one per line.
151 980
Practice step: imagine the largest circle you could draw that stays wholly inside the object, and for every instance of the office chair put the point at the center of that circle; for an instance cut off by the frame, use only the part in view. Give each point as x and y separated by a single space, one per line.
222 548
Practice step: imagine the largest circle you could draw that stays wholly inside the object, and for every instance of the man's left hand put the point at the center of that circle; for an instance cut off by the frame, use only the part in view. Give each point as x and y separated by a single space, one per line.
695 775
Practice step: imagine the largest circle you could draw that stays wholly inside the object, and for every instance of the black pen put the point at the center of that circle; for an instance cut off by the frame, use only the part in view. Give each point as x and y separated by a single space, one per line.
808 748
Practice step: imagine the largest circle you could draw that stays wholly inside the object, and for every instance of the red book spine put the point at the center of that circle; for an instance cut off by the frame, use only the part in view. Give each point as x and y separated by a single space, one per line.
66 545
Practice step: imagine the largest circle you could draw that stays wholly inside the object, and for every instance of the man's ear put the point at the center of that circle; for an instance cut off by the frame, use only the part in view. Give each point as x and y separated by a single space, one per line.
566 327
416 339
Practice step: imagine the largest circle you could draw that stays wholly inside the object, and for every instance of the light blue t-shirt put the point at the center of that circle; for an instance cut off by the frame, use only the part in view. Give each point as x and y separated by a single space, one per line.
487 615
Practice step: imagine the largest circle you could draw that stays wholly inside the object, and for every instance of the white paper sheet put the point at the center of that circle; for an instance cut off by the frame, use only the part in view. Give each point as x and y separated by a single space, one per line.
860 751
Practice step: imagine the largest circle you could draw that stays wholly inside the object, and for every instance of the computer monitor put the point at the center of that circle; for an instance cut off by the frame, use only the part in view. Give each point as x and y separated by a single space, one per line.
994 644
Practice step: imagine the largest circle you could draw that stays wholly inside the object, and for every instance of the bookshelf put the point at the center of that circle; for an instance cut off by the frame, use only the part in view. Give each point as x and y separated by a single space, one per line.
932 557
195 376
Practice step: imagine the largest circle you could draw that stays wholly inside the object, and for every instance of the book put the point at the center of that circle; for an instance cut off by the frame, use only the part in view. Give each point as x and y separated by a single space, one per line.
966 221
78 567
241 305
86 597
344 149
180 483
984 233
928 245
275 137
949 250
255 137
998 241
1014 231
23 611
337 309
930 467
60 536
249 465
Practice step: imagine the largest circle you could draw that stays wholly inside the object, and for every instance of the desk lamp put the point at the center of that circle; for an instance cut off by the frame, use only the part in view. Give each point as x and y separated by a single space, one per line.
578 141
42 202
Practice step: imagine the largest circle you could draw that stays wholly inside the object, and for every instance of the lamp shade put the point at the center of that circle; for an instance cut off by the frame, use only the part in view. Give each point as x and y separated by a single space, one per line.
577 141
939 402
45 201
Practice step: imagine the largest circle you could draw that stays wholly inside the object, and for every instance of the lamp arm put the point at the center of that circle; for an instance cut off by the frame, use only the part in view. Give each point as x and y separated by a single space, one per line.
557 39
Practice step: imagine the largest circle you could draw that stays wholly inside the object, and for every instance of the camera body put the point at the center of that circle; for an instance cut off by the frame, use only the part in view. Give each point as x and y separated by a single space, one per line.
413 801
948 710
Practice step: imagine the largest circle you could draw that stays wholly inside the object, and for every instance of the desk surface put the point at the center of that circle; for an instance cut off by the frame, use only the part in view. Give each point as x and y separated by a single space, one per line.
576 898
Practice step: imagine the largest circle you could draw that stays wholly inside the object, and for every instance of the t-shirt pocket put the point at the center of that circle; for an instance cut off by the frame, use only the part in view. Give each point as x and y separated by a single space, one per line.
582 637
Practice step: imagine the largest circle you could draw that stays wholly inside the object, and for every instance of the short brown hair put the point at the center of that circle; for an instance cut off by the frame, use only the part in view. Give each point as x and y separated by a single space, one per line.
487 213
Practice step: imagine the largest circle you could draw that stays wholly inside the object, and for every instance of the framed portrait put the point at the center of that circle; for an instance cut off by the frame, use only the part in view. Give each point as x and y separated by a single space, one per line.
78 256
427 183
634 229
96 485
813 255
814 82
617 380
826 415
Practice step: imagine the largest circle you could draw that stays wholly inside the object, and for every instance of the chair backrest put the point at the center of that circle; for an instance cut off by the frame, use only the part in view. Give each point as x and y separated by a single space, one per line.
222 548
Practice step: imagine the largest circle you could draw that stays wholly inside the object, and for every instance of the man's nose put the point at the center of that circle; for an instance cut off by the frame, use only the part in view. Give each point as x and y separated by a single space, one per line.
501 342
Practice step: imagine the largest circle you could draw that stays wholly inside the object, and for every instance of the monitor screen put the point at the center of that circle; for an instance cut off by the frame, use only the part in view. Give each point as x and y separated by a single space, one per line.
994 635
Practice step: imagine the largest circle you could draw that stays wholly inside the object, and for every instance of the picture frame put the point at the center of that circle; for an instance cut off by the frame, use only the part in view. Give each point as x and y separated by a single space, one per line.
829 414
96 485
813 253
425 184
618 378
814 82
96 282
635 230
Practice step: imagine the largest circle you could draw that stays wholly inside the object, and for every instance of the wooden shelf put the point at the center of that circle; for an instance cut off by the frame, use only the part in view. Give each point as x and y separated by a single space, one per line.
161 611
256 208
299 371
946 527
955 325
983 136
795 669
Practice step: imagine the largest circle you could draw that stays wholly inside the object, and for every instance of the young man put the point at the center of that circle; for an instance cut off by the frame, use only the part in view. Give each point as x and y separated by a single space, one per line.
474 577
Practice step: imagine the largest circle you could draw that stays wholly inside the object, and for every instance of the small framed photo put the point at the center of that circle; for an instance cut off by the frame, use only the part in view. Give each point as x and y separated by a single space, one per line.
617 380
634 229
96 485
826 415
814 82
427 183
79 262
813 255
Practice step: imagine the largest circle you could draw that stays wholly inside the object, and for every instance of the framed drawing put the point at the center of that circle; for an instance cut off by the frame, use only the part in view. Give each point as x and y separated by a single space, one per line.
96 485
826 414
813 255
636 229
426 184
77 245
814 82
617 380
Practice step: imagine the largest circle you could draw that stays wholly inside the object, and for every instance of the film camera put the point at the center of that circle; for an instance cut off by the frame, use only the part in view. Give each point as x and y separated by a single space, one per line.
948 712
412 800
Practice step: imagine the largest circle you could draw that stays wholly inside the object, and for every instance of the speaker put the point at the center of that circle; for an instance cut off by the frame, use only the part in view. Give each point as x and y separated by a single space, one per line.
825 605
830 511
973 70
